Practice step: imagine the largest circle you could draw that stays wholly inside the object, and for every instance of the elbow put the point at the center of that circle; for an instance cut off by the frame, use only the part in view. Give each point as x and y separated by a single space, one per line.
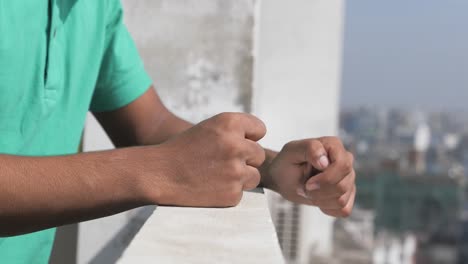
12 232
5 233
9 228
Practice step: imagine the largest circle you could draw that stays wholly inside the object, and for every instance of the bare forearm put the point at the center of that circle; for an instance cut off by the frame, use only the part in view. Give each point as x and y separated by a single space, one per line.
144 122
167 126
44 192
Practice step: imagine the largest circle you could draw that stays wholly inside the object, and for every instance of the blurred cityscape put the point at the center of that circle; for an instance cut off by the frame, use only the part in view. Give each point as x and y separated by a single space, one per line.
411 203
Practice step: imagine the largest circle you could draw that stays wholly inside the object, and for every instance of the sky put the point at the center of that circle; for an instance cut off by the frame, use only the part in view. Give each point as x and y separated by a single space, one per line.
406 53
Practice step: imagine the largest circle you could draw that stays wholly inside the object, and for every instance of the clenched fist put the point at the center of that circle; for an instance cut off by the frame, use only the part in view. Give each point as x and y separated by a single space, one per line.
211 164
315 172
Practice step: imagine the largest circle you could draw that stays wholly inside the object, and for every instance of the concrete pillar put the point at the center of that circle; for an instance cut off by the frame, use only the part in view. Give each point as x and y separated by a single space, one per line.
296 92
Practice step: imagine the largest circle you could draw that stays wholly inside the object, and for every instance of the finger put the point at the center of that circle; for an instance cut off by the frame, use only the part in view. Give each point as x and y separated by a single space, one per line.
331 191
335 203
248 125
346 211
254 128
307 150
252 178
336 172
333 147
254 154
303 198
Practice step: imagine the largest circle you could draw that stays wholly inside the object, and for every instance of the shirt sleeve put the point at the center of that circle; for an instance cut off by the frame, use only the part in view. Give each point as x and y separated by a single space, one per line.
122 77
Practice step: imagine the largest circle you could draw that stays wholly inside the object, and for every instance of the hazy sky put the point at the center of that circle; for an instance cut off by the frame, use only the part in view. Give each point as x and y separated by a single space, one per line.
411 53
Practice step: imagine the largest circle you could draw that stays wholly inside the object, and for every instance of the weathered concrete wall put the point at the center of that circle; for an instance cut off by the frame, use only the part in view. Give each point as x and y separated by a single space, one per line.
199 56
199 53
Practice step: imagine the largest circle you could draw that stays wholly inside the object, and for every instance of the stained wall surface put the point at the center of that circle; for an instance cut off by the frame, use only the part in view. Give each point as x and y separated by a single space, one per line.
199 54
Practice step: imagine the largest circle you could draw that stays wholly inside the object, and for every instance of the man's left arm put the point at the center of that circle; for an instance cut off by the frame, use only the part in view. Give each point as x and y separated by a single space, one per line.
315 172
145 121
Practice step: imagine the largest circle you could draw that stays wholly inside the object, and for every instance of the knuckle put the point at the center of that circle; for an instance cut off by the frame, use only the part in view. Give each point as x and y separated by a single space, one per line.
328 139
253 183
323 139
346 164
227 120
234 197
342 202
328 180
290 145
314 148
223 116
346 212
256 180
231 147
237 200
236 171
336 141
342 187
353 176
261 126
260 154
351 157
262 158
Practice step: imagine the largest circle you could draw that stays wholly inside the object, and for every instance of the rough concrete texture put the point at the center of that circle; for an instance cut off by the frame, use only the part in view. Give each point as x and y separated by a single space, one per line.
199 53
243 234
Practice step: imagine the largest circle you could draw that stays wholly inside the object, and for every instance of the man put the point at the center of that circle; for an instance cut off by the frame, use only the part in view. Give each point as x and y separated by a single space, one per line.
61 58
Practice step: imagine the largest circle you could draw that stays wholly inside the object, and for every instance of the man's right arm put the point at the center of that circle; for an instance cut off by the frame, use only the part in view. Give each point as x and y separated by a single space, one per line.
42 192
208 165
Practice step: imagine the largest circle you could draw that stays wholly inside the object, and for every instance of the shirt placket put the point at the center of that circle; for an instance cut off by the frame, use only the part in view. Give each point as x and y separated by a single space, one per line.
54 70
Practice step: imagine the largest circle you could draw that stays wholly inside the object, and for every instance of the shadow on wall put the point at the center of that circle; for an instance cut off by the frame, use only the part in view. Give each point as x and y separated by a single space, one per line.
66 242
115 248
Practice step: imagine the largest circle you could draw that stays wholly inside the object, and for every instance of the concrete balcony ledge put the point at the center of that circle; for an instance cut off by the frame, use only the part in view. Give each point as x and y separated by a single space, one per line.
243 234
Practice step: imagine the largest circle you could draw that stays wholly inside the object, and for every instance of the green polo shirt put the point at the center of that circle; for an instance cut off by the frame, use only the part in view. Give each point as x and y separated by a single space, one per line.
59 59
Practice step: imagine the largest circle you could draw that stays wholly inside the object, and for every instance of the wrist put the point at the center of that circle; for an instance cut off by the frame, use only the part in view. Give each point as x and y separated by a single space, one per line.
150 170
129 174
267 179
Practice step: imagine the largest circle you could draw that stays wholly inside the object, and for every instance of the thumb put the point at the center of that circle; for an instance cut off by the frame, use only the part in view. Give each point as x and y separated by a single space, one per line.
308 151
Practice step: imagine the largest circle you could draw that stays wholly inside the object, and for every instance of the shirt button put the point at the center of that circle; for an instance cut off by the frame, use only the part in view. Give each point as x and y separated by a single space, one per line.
55 32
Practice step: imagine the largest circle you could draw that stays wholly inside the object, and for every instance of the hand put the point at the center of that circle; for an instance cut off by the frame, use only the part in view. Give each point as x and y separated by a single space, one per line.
316 172
212 163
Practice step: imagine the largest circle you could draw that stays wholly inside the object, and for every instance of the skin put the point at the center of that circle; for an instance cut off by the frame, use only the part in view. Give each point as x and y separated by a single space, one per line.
165 160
